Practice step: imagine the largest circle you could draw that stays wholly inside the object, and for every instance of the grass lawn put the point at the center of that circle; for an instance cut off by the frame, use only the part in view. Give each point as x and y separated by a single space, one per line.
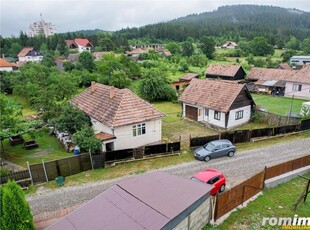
277 105
27 110
275 202
49 149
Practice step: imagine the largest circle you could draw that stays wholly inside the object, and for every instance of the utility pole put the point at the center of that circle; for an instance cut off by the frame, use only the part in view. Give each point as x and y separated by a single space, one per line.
291 106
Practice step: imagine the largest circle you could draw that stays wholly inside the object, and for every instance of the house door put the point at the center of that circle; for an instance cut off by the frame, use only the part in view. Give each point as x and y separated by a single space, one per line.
191 112
109 146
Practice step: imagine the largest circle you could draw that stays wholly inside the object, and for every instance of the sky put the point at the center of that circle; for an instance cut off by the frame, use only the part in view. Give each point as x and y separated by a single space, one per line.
111 15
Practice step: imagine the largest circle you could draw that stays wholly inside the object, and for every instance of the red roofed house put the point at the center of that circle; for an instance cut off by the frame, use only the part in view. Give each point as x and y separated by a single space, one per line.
6 66
155 200
225 72
295 82
29 54
184 81
223 104
82 44
119 117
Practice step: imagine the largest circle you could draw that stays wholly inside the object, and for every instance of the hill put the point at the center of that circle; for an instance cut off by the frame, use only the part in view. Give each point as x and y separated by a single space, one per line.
247 21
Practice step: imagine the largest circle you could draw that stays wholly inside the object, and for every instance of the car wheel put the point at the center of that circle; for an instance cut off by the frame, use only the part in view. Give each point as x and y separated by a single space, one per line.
222 188
207 158
231 153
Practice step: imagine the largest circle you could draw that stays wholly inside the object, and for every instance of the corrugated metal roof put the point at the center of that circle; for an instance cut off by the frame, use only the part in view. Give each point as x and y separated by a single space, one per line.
149 201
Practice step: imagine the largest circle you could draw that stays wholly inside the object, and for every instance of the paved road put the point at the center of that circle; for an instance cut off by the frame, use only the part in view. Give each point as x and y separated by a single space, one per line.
242 166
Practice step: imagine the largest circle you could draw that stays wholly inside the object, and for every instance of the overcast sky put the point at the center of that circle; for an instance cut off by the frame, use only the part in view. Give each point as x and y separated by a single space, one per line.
111 15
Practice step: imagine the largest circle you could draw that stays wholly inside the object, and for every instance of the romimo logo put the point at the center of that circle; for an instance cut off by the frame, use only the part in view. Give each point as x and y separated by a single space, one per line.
288 222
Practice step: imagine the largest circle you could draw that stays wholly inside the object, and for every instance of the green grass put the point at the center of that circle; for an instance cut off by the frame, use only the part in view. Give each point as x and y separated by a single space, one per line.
275 202
27 110
49 149
277 105
172 110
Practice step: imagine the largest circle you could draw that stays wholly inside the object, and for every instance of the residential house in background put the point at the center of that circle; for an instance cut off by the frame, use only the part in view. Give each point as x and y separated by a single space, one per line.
225 72
73 58
184 81
155 200
300 60
7 66
135 54
296 82
80 44
229 45
284 66
29 54
223 104
119 117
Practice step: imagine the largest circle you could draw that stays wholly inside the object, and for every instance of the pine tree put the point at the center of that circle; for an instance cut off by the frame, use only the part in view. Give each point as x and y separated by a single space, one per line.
15 211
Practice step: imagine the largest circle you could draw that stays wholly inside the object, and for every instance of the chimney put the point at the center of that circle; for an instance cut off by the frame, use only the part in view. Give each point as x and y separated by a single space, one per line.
112 92
93 86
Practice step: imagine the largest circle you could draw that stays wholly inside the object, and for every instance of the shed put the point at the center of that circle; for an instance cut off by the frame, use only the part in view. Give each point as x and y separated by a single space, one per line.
155 200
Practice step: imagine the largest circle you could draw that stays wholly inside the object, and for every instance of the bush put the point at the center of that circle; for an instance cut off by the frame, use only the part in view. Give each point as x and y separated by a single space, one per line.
4 171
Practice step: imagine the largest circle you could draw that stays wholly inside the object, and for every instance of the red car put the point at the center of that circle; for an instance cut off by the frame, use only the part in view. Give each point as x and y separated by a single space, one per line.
212 177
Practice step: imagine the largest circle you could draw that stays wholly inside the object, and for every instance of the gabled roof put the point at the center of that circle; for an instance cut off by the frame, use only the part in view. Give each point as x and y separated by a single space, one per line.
5 63
25 51
154 200
218 95
73 57
284 66
70 43
302 75
136 51
229 43
189 76
114 107
223 70
83 42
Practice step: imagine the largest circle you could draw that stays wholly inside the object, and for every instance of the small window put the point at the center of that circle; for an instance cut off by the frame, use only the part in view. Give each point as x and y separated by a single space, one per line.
239 114
297 87
207 112
138 129
217 115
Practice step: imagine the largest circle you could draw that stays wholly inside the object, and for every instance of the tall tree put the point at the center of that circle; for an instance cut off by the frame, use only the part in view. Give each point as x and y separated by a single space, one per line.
187 48
260 47
15 211
86 61
305 46
207 46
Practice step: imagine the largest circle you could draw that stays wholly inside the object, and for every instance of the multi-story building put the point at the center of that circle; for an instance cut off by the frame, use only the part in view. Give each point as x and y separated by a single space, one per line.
43 27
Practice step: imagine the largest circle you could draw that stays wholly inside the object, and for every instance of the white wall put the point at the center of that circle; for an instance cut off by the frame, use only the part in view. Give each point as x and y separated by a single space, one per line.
83 48
31 59
125 139
124 134
232 116
7 69
219 123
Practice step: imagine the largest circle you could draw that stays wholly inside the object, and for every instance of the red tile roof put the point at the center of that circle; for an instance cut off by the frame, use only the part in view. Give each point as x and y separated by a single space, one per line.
136 51
25 51
70 43
5 63
285 66
189 76
302 75
229 43
104 136
222 70
83 42
214 94
123 108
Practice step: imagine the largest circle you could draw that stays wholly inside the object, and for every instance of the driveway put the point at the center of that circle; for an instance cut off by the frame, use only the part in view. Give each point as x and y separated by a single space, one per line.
236 169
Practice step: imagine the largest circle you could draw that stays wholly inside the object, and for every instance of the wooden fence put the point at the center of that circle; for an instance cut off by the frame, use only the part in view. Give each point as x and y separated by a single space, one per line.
19 175
240 136
276 120
235 196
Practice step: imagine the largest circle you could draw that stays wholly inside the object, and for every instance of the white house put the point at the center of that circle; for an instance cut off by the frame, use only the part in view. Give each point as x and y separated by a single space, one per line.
120 118
6 66
81 44
29 54
219 103
230 45
300 60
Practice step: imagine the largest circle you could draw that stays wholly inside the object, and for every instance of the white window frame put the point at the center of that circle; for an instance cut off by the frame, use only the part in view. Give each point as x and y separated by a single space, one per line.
239 115
297 87
138 129
206 112
217 115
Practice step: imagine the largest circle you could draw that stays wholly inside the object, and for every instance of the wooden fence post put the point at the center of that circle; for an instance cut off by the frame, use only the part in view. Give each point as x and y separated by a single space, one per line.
44 169
69 165
190 138
91 160
30 172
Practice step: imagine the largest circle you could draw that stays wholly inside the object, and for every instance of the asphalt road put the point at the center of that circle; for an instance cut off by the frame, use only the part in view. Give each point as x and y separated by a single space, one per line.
236 169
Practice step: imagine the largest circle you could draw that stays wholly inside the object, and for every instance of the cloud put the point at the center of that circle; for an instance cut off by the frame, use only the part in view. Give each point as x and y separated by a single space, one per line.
111 15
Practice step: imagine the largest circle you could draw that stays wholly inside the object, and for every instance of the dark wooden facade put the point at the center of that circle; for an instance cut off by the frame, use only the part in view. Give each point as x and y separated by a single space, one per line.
191 112
239 75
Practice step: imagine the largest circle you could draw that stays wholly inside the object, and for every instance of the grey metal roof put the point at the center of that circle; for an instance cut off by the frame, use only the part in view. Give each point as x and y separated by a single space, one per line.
150 201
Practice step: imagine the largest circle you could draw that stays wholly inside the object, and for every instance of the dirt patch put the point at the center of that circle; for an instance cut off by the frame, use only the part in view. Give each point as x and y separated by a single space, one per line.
41 153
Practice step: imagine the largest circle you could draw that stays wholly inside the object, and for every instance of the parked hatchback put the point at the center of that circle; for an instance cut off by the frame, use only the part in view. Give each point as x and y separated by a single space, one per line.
214 149
212 177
